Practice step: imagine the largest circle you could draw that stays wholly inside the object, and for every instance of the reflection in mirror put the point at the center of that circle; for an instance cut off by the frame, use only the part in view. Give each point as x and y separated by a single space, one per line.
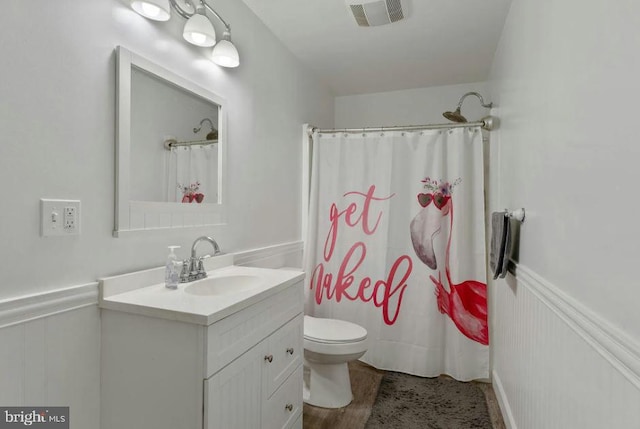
186 168
170 149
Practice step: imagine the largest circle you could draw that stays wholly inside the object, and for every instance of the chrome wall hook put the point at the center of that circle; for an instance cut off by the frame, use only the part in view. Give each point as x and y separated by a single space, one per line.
518 214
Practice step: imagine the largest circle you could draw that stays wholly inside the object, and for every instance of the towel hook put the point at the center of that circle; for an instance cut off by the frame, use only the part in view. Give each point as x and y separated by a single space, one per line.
518 214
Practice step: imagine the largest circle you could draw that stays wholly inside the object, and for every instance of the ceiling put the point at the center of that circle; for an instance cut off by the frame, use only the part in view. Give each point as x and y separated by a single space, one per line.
440 42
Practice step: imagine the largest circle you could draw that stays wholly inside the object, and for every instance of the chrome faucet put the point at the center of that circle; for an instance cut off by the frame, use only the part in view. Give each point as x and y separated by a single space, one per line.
193 268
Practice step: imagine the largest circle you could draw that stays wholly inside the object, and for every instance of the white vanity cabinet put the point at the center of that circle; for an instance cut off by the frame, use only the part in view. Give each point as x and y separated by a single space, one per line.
262 388
244 371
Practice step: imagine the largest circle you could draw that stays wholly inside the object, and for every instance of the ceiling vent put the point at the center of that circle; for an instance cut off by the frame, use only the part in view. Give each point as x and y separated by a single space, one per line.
369 13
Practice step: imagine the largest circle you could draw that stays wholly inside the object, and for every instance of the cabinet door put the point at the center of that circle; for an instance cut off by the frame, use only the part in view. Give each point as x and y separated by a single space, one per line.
233 395
298 423
285 349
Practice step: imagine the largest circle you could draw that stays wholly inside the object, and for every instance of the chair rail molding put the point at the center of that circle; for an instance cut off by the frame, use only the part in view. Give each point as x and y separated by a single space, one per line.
22 309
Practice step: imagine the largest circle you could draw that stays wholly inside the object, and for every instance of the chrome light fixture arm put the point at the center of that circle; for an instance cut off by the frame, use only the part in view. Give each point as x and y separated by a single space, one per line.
210 9
184 8
187 8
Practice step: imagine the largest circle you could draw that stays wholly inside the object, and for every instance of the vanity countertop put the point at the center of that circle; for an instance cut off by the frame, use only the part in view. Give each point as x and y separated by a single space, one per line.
128 293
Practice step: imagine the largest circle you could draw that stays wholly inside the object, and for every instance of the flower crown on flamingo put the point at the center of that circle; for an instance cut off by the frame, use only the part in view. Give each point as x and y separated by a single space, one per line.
190 193
439 191
192 188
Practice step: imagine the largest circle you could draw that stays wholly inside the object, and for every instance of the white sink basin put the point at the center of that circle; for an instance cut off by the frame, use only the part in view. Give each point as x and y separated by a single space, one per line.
224 285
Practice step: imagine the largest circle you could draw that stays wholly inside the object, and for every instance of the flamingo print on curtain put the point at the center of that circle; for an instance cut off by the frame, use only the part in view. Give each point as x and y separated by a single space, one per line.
384 249
190 165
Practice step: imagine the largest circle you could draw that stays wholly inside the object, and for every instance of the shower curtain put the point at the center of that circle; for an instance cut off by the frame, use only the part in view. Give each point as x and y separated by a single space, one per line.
396 244
192 165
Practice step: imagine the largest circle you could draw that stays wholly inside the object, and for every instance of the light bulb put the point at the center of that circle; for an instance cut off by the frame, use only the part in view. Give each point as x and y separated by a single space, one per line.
158 10
198 38
199 31
225 53
150 10
225 61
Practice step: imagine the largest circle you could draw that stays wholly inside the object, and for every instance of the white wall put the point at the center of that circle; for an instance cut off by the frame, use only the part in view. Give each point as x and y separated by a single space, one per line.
566 84
409 107
57 116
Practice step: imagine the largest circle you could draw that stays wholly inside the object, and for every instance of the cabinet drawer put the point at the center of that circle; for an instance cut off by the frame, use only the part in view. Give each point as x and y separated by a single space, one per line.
282 410
284 354
233 335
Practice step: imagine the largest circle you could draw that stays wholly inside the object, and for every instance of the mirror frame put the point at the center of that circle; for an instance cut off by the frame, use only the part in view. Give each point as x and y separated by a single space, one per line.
136 216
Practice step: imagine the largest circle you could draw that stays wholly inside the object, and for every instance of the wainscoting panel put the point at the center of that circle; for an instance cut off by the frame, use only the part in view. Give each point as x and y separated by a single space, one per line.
11 365
52 356
558 365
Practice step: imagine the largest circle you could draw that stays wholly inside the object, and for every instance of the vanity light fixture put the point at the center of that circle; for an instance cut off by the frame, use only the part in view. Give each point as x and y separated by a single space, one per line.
198 29
225 53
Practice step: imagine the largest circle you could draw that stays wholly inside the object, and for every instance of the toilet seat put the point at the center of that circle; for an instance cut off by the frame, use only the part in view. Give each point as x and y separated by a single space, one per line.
332 331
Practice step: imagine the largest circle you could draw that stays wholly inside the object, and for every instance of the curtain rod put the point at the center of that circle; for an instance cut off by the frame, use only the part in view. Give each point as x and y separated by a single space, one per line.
487 123
171 143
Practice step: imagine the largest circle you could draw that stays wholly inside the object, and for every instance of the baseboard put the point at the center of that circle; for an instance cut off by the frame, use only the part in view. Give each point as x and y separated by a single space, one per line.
503 402
22 309
613 344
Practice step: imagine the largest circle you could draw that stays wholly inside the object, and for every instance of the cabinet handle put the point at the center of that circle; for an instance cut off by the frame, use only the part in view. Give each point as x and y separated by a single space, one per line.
269 358
289 407
290 350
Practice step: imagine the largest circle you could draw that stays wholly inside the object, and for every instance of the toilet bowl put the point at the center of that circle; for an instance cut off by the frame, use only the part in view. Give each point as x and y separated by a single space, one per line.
328 345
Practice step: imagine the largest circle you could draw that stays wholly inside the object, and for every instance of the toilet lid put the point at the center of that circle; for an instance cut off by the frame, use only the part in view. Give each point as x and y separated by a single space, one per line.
332 330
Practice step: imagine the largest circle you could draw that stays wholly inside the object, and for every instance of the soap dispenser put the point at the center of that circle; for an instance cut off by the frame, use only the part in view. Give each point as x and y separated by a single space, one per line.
171 272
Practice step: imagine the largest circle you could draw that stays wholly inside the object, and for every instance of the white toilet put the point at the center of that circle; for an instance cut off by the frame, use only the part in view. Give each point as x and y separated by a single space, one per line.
328 345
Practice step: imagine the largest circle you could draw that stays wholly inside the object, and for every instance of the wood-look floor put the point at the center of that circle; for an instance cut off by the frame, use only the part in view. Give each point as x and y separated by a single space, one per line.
365 381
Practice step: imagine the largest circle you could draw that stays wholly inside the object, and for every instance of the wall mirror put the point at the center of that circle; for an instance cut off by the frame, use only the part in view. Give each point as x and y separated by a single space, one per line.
170 149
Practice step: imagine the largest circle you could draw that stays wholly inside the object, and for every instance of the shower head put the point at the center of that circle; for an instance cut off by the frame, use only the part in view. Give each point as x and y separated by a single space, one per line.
212 135
456 116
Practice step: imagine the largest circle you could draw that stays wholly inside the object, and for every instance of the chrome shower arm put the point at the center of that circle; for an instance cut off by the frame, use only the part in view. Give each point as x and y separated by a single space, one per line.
489 106
197 129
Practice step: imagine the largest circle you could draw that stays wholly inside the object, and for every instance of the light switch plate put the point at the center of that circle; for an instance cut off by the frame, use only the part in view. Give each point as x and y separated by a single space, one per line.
59 217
